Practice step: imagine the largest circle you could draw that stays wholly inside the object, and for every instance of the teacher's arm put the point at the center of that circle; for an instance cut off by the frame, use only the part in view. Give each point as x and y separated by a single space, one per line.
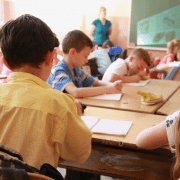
92 30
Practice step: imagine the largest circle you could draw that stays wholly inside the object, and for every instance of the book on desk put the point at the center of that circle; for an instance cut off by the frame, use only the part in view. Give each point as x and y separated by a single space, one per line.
107 126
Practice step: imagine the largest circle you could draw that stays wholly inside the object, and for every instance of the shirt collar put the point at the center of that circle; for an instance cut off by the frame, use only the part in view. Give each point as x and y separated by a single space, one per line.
18 77
63 64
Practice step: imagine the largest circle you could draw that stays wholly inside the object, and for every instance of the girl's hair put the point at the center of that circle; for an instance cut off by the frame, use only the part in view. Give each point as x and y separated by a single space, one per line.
176 169
101 9
171 45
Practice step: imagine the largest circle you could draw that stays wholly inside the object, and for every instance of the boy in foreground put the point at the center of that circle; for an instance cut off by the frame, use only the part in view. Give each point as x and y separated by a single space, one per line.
129 70
40 123
68 76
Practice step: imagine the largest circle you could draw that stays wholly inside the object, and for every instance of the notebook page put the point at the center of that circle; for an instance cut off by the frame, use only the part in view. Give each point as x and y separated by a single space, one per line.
113 97
113 127
90 121
140 83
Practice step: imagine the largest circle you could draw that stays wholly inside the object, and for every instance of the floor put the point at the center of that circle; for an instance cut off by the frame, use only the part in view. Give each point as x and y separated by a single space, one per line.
63 172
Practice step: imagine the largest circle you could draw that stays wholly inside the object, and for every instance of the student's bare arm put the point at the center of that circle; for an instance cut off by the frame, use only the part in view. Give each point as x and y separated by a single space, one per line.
93 91
153 137
125 79
169 60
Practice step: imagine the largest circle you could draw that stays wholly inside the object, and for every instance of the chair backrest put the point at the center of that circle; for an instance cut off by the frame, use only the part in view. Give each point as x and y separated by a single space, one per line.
173 73
34 176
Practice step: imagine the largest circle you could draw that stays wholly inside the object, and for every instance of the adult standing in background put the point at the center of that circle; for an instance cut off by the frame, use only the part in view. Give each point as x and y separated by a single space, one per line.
101 28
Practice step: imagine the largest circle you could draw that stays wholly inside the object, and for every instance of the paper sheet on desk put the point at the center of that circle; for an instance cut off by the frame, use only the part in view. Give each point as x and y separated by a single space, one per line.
112 97
107 126
140 83
112 127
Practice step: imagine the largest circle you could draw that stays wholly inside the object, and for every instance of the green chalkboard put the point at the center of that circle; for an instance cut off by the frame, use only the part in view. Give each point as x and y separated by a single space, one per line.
154 22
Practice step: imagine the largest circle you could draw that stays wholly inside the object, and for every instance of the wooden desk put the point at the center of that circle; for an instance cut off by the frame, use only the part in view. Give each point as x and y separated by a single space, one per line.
172 105
131 101
118 156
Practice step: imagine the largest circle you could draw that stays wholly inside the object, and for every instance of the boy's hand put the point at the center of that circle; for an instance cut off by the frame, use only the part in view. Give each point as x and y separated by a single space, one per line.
79 107
117 86
142 73
136 78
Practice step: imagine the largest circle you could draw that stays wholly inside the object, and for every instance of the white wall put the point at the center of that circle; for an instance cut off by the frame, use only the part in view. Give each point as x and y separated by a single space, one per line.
65 15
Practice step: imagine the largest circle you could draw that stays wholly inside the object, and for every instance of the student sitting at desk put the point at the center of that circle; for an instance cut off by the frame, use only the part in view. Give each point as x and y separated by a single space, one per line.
102 59
68 76
36 120
129 70
159 135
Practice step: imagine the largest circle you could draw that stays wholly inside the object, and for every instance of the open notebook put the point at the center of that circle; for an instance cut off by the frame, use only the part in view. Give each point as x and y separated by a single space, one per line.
107 126
140 83
112 97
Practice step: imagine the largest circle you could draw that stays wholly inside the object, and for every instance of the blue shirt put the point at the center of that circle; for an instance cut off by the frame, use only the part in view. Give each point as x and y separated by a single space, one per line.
102 59
61 76
101 33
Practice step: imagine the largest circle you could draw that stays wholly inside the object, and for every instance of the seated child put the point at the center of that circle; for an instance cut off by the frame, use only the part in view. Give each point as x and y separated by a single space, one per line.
129 70
162 134
36 120
113 51
68 76
102 59
160 67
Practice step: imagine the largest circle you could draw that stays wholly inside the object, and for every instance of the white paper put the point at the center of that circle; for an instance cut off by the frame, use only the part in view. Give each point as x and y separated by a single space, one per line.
113 97
140 83
90 121
175 63
113 127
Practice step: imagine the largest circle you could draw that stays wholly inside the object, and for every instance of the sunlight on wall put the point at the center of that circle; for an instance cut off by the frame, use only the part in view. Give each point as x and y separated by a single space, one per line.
66 15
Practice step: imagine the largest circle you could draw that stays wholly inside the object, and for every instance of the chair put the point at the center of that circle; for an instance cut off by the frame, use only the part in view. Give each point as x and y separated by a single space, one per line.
93 66
173 73
34 176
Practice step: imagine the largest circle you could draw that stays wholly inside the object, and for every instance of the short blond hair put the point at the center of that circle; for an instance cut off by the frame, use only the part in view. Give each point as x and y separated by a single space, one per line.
101 9
171 45
142 54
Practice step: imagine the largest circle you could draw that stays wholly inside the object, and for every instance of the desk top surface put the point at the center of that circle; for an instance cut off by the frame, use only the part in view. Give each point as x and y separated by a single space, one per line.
131 101
172 105
141 121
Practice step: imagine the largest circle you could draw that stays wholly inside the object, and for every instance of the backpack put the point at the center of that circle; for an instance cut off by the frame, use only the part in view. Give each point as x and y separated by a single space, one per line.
13 167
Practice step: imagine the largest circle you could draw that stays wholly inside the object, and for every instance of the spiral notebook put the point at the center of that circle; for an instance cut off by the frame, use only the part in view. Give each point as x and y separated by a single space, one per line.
107 126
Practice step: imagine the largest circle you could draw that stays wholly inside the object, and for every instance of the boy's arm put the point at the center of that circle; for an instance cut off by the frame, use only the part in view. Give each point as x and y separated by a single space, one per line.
107 88
125 79
153 137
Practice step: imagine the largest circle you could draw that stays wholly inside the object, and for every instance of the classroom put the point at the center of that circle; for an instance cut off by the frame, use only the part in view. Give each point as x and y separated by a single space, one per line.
142 148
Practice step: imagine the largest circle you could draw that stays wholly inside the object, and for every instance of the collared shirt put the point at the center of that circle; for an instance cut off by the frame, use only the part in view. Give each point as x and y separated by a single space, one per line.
171 122
41 123
61 76
102 59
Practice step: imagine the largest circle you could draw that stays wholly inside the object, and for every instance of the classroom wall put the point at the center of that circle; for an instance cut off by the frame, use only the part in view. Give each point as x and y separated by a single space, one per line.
63 16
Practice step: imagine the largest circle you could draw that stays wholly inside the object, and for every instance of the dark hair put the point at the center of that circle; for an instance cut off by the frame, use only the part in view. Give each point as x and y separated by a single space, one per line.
107 43
76 39
26 40
142 54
